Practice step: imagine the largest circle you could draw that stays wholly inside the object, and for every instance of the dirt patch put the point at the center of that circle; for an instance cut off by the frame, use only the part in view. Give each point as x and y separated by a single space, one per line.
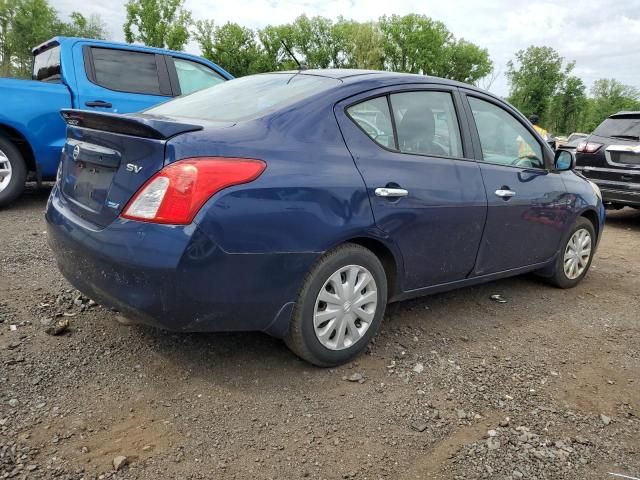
455 386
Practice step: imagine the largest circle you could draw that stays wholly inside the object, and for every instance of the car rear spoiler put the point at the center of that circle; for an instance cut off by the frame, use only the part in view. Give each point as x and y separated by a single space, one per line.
135 125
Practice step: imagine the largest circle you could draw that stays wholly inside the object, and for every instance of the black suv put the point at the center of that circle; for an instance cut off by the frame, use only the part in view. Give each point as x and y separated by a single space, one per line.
610 157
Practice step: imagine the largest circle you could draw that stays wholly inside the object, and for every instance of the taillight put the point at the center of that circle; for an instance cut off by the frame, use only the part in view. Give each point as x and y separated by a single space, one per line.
588 147
177 192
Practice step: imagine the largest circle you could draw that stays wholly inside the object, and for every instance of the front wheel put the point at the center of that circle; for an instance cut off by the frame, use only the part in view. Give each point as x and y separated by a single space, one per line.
339 308
574 259
13 172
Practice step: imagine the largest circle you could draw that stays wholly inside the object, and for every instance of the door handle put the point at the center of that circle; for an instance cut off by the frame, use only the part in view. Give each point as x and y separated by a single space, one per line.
388 192
505 193
98 103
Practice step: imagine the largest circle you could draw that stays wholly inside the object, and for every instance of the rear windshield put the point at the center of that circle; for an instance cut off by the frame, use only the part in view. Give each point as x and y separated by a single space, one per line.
619 127
245 98
46 65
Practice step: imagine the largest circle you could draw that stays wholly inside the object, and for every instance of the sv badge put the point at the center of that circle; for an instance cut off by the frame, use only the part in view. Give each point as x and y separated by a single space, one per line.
133 168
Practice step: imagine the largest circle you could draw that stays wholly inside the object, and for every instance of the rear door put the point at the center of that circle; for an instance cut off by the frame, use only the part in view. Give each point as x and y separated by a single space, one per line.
528 211
121 80
426 191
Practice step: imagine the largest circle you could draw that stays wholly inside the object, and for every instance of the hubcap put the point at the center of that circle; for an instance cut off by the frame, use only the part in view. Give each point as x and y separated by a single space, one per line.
577 254
345 307
5 171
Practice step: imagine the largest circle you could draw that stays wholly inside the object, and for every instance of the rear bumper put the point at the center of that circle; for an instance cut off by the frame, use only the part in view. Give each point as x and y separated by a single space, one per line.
174 277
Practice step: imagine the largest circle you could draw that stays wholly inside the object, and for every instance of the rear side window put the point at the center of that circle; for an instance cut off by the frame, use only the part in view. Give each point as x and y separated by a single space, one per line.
426 123
374 118
46 66
623 127
194 76
126 71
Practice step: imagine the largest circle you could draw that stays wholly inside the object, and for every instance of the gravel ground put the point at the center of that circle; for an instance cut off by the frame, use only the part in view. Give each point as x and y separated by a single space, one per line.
456 386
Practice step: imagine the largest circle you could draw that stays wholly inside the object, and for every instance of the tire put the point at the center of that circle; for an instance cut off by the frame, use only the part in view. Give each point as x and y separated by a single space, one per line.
343 264
561 278
11 161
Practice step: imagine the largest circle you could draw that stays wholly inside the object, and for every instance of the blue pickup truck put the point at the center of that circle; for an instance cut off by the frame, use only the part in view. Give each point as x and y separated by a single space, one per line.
90 75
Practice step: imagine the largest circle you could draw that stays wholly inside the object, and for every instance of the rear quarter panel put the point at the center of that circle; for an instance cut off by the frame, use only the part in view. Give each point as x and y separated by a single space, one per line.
309 197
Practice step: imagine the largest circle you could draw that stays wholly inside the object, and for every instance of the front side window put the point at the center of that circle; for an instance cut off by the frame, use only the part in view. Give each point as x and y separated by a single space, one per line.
504 140
194 76
426 123
374 118
126 71
46 66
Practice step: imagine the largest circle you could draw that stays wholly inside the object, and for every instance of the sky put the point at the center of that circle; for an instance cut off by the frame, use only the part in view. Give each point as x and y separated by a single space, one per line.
602 36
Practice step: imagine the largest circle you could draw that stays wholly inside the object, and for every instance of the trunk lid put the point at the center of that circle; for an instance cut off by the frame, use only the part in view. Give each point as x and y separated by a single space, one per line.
108 157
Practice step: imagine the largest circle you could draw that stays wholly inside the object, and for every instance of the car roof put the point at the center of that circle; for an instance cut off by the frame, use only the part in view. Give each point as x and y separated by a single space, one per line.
61 40
347 75
625 114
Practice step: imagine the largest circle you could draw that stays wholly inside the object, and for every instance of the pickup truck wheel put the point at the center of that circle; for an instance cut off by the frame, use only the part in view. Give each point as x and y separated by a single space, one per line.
13 172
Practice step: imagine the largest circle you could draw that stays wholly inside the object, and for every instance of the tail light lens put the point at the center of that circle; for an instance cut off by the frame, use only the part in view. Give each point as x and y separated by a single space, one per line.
588 147
177 192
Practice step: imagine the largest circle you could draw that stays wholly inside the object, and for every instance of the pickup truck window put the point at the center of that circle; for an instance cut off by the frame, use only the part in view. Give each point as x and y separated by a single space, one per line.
46 66
194 76
126 71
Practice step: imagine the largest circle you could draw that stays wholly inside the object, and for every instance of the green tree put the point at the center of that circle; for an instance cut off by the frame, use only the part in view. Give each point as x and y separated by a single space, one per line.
360 45
414 43
418 44
7 15
272 55
25 24
466 62
313 39
609 96
158 23
81 26
534 79
568 106
33 23
230 45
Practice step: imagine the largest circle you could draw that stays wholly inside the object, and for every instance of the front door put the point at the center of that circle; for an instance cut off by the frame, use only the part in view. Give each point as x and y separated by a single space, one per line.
425 188
527 202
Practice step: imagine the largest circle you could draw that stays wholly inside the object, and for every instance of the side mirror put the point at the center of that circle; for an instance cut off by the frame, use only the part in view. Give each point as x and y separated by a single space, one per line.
564 160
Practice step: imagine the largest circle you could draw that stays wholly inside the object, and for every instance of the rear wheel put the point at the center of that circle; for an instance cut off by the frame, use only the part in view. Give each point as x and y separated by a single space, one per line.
339 308
575 257
13 172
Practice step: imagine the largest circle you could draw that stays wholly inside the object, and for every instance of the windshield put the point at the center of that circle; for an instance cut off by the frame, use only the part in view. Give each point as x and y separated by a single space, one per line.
619 127
245 98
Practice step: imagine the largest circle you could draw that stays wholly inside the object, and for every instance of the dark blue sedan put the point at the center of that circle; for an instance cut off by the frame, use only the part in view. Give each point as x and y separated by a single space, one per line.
301 203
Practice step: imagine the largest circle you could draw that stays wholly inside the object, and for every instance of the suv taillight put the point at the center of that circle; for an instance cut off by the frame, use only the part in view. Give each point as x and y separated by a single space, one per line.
177 192
588 147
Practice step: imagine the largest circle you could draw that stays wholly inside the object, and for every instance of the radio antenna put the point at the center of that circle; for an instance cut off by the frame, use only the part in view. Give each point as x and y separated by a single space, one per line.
301 66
